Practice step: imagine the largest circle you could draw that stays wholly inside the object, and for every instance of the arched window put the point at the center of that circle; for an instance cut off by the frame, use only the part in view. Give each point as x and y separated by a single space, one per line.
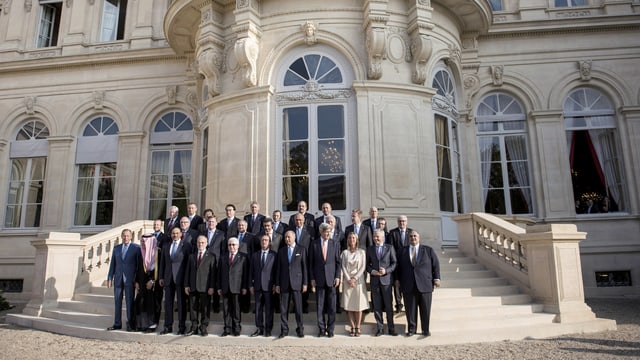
596 166
314 102
28 155
447 143
170 178
504 155
96 159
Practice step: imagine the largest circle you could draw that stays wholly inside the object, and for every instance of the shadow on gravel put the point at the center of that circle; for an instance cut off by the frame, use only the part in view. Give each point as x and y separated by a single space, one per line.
629 352
622 310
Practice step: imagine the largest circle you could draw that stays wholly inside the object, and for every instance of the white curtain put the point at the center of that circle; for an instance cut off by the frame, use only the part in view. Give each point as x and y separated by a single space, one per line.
287 188
109 21
486 145
517 148
86 180
604 146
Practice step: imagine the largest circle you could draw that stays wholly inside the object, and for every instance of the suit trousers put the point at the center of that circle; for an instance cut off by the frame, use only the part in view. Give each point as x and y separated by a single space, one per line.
171 292
264 311
382 303
200 309
397 294
285 298
128 292
231 312
416 300
326 300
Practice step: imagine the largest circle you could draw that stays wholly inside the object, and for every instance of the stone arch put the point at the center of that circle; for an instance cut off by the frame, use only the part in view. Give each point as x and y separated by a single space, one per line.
17 116
606 82
517 86
84 112
157 105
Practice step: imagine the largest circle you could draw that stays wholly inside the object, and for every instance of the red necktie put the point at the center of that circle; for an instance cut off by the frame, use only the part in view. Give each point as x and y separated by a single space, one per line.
199 258
230 258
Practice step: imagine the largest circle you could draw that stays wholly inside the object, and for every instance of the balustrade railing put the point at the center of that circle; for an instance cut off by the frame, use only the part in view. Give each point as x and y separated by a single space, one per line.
501 239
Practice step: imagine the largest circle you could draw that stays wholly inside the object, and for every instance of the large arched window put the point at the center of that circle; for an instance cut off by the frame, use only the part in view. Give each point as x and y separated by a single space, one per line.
170 178
314 108
594 155
28 154
96 158
504 155
447 143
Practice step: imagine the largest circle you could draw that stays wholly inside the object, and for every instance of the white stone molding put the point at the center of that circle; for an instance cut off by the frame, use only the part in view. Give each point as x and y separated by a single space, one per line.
444 105
172 94
376 47
471 83
421 48
29 104
246 51
585 70
309 29
210 65
497 72
5 5
98 99
312 93
91 2
68 3
28 4
455 56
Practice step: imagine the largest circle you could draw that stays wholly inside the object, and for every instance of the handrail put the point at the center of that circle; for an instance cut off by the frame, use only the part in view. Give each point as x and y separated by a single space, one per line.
501 239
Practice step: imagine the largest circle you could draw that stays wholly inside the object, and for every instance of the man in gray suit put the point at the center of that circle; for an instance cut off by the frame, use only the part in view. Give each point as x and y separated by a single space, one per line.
174 260
291 282
199 283
126 262
381 262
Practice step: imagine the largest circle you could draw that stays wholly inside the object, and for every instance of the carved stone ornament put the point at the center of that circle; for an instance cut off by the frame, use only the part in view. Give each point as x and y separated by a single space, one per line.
5 5
91 2
585 70
28 4
312 93
471 85
309 29
376 45
496 74
242 4
246 51
98 99
172 94
29 104
69 3
421 49
210 65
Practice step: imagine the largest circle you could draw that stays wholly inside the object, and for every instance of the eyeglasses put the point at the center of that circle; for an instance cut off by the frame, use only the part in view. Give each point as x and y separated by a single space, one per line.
233 244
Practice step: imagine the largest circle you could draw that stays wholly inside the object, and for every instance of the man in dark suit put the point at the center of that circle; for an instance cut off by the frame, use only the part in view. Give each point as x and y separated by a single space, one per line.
275 240
254 219
195 220
173 220
381 262
187 234
326 212
206 214
126 263
399 238
233 282
372 221
216 245
291 282
419 272
229 225
174 259
304 238
246 241
362 230
279 226
161 238
309 219
199 284
261 284
324 271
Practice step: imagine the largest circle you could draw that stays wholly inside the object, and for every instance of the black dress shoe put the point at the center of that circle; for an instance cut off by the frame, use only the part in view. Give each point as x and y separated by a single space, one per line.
282 335
321 333
190 332
410 333
379 332
204 332
330 334
236 333
225 333
300 334
130 329
111 328
181 332
393 333
165 331
267 334
426 334
256 333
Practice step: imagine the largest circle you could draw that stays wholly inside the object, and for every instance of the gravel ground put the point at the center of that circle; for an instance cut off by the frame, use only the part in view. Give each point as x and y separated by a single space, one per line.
20 343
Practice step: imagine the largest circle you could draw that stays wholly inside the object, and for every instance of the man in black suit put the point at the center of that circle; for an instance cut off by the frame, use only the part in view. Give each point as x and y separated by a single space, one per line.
161 238
304 238
362 230
246 241
174 259
324 271
275 240
173 220
279 226
399 238
125 266
199 284
188 235
372 221
195 220
261 284
291 282
381 262
326 212
216 245
419 272
309 219
233 281
206 214
229 225
254 219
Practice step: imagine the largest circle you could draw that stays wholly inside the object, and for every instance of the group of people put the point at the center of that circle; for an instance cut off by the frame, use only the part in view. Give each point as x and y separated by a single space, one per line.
196 262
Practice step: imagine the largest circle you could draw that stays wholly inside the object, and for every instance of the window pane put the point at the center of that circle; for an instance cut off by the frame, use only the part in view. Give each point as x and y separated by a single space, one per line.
182 162
327 66
294 189
32 216
159 187
333 77
160 162
104 213
446 195
330 121
520 200
109 21
296 124
331 157
181 186
82 214
105 189
85 190
12 217
291 78
157 209
18 169
86 170
495 179
38 166
35 191
333 189
444 162
296 158
312 64
495 202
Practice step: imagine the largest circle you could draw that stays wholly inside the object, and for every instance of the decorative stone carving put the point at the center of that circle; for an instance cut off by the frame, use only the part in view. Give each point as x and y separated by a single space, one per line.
29 104
242 4
191 99
5 5
28 4
424 2
98 99
309 29
421 49
455 56
172 92
376 44
246 51
209 65
496 74
312 93
585 70
471 84
91 2
69 3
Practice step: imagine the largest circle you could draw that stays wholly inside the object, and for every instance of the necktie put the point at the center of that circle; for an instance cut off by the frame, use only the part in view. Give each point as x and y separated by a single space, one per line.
199 258
174 246
297 234
324 250
402 236
290 253
264 257
230 258
210 237
240 239
356 229
379 252
373 224
413 255
124 251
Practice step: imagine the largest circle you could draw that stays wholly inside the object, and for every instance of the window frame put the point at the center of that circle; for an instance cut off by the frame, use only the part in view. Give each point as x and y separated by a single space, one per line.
52 27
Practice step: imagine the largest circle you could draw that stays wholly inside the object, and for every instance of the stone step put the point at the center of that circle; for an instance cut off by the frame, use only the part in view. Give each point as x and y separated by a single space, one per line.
473 283
462 267
448 275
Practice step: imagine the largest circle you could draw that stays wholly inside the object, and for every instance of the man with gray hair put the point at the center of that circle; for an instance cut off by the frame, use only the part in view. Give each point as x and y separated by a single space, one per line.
324 273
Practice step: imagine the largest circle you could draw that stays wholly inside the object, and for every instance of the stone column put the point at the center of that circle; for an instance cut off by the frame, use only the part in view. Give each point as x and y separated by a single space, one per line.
629 134
58 205
75 38
143 27
12 19
129 202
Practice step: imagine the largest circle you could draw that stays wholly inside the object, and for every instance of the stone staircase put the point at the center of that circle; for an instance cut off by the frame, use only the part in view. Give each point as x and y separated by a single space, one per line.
473 305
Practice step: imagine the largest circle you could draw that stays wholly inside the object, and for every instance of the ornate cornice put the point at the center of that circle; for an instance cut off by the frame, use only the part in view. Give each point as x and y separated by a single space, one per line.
313 94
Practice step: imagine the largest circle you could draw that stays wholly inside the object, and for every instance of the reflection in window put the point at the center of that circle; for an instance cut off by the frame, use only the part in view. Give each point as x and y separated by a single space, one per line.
49 26
313 68
504 159
570 3
496 5
113 20
596 166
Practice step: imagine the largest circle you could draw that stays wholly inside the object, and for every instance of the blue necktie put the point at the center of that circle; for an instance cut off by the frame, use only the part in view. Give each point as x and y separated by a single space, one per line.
124 251
290 253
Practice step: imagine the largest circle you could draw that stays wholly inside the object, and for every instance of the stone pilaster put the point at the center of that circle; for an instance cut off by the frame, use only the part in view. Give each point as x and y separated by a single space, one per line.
143 26
12 19
129 200
210 48
630 124
58 205
76 37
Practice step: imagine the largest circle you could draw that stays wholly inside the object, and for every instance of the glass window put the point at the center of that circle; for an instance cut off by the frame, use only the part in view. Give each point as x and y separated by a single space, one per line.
113 20
597 176
49 26
496 5
569 3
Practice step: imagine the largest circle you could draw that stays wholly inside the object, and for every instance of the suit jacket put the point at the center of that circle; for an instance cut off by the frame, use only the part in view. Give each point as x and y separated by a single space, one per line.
306 237
174 268
247 244
309 220
167 227
422 275
292 276
124 271
254 227
320 219
216 243
203 277
162 239
394 238
365 238
282 227
277 241
368 223
323 272
229 231
388 261
262 277
234 277
191 236
196 221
